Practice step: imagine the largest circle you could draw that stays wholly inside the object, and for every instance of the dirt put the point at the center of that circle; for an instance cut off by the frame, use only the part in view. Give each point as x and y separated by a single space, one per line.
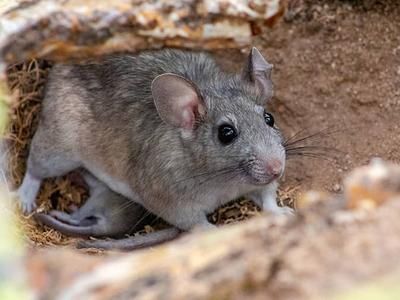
336 67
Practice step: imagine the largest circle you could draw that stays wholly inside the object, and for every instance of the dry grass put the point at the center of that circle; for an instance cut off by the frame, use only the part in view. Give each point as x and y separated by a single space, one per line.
26 82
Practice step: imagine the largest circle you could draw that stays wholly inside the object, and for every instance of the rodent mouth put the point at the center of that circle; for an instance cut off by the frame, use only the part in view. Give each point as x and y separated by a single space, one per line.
257 177
264 180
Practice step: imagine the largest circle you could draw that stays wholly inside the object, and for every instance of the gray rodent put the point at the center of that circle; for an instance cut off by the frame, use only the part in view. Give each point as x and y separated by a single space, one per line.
165 129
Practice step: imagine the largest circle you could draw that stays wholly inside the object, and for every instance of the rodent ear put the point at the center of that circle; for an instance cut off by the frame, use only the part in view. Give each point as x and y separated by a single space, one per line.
258 72
177 100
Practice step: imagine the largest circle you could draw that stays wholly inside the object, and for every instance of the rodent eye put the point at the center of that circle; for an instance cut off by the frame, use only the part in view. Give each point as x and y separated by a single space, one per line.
226 133
269 119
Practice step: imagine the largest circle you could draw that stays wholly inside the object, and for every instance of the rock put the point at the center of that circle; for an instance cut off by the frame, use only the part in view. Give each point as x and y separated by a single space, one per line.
263 258
336 188
372 185
77 29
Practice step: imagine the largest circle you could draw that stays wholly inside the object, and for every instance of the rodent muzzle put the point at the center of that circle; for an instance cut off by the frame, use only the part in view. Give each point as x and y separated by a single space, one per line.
274 168
265 171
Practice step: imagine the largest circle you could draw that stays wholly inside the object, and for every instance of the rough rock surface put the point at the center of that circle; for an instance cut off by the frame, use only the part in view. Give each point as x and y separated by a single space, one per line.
76 29
310 257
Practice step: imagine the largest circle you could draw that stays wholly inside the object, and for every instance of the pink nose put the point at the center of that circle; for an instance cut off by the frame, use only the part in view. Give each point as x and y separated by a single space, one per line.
274 167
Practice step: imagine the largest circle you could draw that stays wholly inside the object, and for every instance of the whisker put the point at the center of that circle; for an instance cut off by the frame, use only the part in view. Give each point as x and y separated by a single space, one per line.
144 216
315 149
311 155
229 173
291 138
122 207
213 176
298 145
322 133
208 174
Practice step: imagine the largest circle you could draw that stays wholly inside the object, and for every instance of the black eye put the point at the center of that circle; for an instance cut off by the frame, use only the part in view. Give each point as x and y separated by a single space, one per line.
226 133
269 119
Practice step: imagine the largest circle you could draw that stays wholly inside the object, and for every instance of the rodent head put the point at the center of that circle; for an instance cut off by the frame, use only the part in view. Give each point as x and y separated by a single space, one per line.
224 124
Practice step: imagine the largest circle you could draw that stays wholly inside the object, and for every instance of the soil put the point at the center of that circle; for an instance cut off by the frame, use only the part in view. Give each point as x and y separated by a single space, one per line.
336 67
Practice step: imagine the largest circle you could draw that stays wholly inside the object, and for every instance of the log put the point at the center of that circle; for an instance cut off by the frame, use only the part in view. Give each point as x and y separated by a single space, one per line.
319 254
61 30
332 249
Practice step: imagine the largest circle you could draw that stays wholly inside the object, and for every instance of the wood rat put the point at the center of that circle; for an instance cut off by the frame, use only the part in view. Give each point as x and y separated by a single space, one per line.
166 130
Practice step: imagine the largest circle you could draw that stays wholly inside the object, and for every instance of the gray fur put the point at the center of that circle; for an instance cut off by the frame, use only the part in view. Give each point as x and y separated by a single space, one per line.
100 115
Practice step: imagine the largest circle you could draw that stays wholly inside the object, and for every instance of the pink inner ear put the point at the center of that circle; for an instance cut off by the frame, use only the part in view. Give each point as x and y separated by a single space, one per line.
177 100
188 114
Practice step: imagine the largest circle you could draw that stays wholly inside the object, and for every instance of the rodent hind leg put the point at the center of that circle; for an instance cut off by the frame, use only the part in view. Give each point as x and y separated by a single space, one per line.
104 214
44 161
265 198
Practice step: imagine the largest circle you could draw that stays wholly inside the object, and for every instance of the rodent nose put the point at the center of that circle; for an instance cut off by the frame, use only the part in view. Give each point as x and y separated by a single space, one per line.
274 167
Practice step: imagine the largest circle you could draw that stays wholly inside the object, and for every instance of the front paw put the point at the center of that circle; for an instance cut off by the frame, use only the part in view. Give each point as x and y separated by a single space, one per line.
203 226
282 211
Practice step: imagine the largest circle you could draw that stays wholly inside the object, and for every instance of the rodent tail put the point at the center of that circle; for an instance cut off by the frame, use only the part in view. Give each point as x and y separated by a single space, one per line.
133 242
